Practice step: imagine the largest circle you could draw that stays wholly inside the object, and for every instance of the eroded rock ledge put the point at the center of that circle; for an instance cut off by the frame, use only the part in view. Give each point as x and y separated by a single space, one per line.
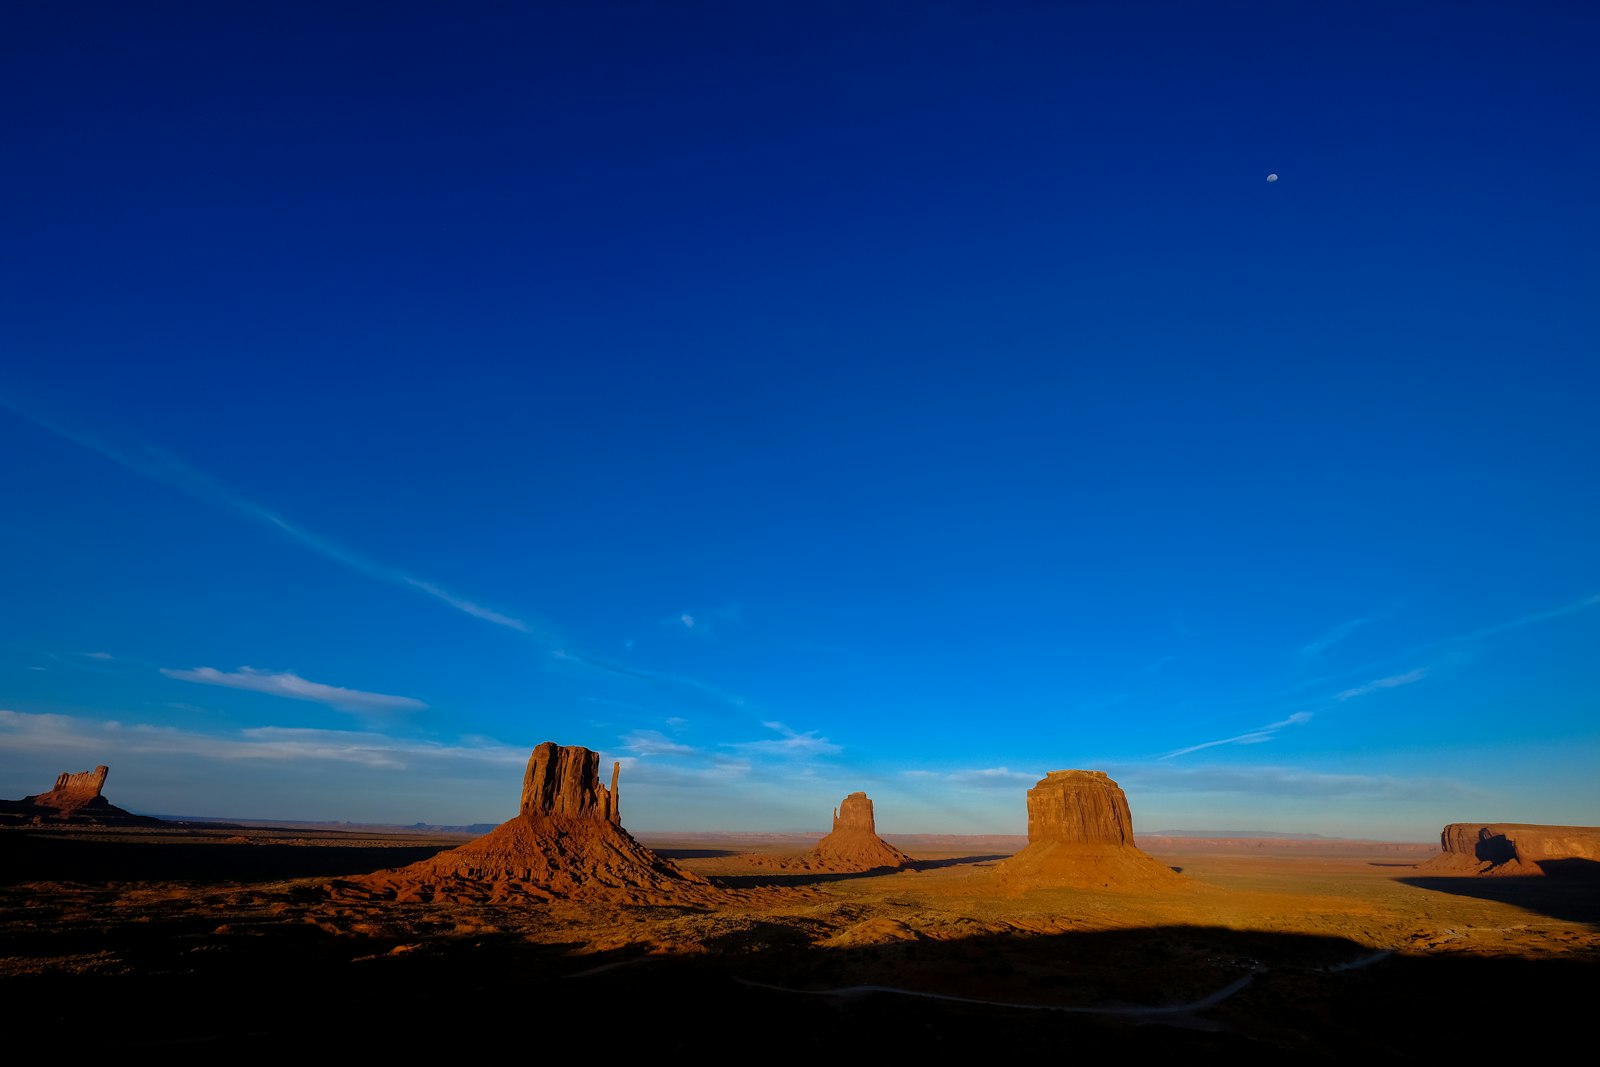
75 798
1517 849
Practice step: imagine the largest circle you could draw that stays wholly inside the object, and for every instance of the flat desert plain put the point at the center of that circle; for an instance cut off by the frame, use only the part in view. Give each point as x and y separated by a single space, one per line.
196 940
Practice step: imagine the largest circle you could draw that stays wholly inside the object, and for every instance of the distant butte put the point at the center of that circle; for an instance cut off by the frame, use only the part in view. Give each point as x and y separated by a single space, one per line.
1516 849
1080 833
852 847
75 798
566 841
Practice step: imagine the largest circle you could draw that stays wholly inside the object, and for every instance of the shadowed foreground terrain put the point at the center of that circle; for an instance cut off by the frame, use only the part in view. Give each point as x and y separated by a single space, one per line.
203 941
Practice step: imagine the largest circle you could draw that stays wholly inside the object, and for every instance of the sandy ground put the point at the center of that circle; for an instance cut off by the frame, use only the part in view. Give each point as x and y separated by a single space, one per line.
193 942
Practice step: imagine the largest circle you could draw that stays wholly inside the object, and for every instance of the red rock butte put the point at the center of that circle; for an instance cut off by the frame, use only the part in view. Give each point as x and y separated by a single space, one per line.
1508 848
1080 833
566 841
76 797
853 846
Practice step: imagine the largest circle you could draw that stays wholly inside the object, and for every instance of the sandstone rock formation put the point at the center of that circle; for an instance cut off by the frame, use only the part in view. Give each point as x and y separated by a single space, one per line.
1516 849
1080 833
853 845
565 781
75 798
566 841
73 790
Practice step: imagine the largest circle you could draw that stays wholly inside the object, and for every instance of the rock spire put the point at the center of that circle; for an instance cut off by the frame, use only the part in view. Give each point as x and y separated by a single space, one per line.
566 841
853 845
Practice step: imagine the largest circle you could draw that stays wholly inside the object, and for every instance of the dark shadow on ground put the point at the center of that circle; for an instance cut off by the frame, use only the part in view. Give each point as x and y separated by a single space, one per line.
27 857
693 853
1573 867
958 861
190 988
775 877
1575 898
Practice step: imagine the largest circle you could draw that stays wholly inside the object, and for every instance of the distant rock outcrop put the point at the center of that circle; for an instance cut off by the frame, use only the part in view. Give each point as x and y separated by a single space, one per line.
852 847
75 798
1516 849
1080 833
566 841
73 790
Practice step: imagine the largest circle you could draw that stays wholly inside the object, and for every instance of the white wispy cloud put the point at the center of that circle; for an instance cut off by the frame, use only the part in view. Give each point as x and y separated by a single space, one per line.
1156 666
654 743
1315 649
24 732
694 777
983 778
1583 604
291 685
608 702
462 604
792 744
1253 737
704 623
162 466
684 686
1384 683
1282 782
1444 645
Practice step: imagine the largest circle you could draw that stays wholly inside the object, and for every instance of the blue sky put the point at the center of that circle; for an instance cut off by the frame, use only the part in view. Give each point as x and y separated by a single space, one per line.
789 399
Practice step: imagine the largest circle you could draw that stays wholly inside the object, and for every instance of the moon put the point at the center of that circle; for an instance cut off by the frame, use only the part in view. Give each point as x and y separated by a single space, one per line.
1272 177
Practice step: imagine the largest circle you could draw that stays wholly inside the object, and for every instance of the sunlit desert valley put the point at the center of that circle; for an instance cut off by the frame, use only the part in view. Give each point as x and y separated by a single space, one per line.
799 533
202 938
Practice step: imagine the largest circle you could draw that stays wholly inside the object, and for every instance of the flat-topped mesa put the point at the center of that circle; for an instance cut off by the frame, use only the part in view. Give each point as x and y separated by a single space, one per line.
1509 848
854 813
565 780
1080 833
1079 807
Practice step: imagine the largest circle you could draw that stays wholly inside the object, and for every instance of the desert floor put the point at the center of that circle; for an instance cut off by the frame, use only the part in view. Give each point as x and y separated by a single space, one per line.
203 941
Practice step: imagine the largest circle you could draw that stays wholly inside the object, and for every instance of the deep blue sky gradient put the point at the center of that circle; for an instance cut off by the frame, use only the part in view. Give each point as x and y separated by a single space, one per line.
791 399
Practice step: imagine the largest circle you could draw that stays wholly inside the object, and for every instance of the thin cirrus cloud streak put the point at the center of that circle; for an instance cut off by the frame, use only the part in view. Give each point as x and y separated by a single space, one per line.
27 732
1280 782
291 685
667 681
1253 737
793 743
1429 648
1390 682
983 778
654 743
1315 649
161 466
